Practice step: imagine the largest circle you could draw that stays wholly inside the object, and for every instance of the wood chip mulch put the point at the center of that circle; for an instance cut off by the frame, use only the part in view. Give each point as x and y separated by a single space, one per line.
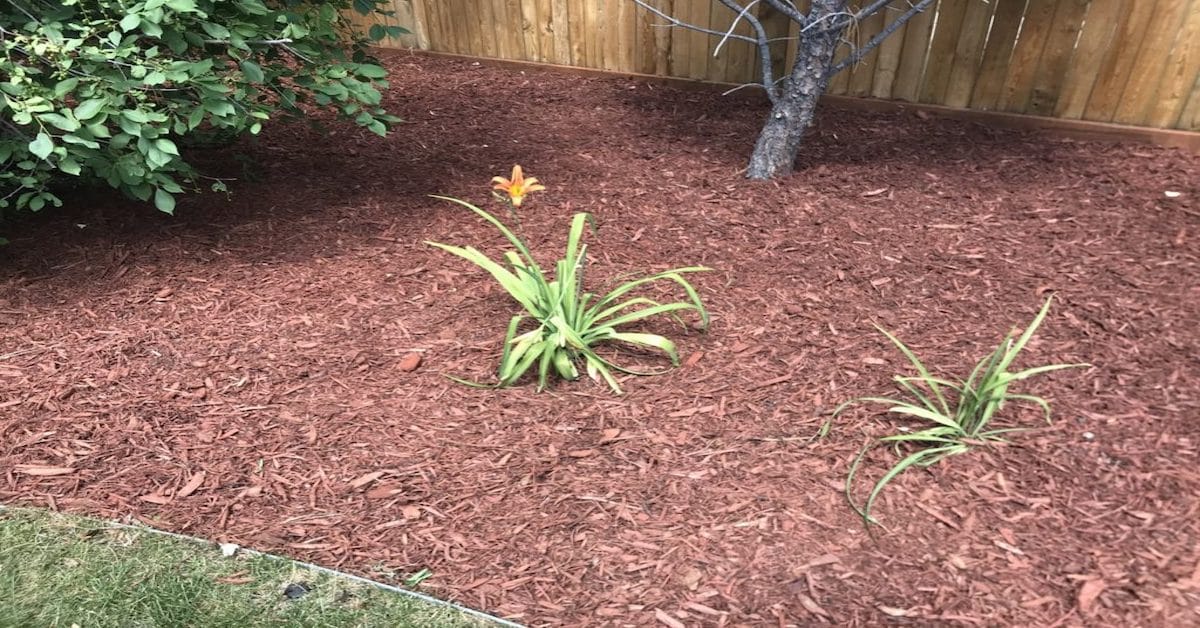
267 369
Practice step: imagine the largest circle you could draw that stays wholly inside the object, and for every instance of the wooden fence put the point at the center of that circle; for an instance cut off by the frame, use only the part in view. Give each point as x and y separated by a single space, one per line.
1134 62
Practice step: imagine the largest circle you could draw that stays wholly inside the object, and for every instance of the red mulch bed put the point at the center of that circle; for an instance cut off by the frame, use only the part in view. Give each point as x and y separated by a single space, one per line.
235 372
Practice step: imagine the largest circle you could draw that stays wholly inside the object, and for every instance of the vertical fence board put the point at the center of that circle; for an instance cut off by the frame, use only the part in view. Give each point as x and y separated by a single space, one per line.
560 29
888 60
993 70
1064 33
741 64
941 50
1182 73
1189 120
968 54
911 68
681 40
702 43
718 66
862 75
575 32
1148 69
1114 72
1100 24
1039 19
530 30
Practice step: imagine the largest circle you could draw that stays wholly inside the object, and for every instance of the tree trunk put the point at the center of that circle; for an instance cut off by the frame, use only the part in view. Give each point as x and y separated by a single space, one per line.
775 152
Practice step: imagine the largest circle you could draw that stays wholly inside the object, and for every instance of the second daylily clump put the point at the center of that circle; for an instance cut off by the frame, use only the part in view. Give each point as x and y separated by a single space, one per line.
562 323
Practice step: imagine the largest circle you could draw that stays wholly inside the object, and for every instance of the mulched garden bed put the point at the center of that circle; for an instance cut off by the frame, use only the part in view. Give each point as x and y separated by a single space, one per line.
238 372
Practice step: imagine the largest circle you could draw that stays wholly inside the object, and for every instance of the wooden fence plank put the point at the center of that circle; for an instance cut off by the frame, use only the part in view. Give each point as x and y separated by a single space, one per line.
433 25
968 54
1183 72
681 41
862 75
576 10
1031 41
1148 69
1118 63
993 70
1189 120
911 69
702 43
941 50
888 60
627 35
560 27
529 29
452 19
741 58
718 67
1103 19
1056 55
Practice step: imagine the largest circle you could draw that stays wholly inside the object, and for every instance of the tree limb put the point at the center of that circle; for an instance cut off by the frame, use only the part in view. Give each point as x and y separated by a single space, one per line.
862 51
681 24
764 48
760 39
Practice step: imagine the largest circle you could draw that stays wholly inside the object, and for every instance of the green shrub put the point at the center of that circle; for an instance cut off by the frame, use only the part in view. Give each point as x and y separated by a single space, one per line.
104 90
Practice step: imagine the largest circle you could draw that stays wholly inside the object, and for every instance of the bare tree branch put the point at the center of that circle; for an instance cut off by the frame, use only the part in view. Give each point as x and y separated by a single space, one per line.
733 26
681 24
742 13
764 48
862 51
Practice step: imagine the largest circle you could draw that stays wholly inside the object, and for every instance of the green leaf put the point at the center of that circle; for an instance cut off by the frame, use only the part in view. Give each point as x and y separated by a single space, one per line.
69 166
216 31
89 108
364 7
58 120
167 146
182 6
368 70
41 146
130 22
253 72
164 201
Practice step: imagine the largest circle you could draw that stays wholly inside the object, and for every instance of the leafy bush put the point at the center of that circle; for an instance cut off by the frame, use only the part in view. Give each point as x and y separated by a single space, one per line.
953 429
105 89
569 322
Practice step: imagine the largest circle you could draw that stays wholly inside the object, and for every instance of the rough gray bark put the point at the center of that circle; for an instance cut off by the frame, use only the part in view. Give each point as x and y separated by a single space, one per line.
792 112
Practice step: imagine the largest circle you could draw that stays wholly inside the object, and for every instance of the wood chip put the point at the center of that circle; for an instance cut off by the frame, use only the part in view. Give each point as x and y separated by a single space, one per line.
1089 593
894 612
409 362
194 483
365 479
27 469
666 619
811 606
155 498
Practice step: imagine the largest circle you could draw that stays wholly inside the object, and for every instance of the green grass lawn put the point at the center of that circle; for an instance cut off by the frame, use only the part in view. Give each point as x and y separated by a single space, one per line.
58 570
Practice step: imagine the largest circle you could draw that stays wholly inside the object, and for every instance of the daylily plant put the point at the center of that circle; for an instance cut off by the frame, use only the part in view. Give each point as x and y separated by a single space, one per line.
569 322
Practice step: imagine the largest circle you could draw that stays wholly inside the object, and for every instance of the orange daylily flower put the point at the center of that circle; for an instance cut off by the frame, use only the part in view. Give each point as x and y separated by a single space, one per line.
517 187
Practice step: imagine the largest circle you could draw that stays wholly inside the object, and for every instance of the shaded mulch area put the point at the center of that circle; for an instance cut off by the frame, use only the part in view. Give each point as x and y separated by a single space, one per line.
235 372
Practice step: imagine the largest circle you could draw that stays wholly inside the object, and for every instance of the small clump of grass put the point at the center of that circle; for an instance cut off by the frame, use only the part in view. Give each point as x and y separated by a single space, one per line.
958 414
63 571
